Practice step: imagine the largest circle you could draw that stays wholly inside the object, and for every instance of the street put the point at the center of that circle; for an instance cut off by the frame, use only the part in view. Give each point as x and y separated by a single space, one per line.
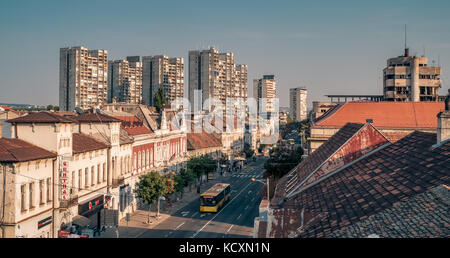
234 219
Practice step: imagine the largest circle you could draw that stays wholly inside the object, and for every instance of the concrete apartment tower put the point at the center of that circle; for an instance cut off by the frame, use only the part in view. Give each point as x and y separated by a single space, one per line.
265 88
125 80
297 107
162 71
409 78
82 78
217 76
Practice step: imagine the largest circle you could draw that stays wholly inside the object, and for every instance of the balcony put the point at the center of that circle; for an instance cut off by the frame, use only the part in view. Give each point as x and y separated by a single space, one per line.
72 201
118 182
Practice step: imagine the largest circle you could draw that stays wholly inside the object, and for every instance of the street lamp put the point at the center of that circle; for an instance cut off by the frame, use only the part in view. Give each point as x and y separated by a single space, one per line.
266 183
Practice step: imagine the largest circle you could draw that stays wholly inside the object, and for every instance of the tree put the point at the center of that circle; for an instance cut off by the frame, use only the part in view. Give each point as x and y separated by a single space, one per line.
179 184
188 176
159 100
281 162
248 151
201 165
150 188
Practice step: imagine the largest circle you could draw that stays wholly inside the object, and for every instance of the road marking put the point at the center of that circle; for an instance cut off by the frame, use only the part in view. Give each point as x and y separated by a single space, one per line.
239 216
184 213
179 226
246 207
194 214
229 229
198 231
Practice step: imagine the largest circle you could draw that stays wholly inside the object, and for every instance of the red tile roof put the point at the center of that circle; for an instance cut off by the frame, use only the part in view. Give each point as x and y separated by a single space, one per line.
84 143
137 130
396 173
348 144
95 117
6 108
384 114
40 117
203 140
16 150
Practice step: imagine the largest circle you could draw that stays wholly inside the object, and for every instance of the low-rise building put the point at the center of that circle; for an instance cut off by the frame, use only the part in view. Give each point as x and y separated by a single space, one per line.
360 184
394 119
27 179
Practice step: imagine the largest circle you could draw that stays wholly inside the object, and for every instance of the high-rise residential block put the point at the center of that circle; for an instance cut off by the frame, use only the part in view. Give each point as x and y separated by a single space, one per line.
125 80
297 97
409 78
162 71
82 78
264 92
217 76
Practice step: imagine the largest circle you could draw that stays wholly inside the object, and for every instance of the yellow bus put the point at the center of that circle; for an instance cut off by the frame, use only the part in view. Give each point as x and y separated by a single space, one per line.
215 197
291 141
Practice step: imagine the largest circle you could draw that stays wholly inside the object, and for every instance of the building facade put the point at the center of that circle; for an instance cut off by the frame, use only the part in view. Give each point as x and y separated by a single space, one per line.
394 119
218 77
298 104
125 80
409 78
264 92
162 71
83 77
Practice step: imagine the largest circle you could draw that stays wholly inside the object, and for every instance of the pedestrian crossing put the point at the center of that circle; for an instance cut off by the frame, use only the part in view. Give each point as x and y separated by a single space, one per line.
247 176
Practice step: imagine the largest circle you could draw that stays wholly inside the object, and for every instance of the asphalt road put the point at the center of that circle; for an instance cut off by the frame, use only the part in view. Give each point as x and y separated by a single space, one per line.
235 219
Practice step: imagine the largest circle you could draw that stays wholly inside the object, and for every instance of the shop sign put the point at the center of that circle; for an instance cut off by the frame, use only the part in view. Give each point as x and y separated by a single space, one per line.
63 180
91 205
44 222
63 233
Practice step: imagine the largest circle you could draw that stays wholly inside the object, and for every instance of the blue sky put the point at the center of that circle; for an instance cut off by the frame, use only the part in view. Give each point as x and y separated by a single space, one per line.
330 47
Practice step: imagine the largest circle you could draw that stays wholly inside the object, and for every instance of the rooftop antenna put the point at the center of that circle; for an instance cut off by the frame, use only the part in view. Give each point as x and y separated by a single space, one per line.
406 49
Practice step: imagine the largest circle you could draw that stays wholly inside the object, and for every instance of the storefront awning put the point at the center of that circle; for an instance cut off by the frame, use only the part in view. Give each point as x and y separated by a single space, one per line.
81 221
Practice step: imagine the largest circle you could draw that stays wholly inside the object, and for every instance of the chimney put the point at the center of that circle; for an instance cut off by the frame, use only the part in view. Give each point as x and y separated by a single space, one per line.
443 123
406 52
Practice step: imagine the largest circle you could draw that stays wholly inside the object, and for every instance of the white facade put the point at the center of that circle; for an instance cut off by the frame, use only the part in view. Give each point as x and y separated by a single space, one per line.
82 78
298 104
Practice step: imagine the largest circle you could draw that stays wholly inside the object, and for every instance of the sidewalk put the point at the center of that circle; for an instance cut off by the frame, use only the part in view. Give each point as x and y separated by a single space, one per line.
138 220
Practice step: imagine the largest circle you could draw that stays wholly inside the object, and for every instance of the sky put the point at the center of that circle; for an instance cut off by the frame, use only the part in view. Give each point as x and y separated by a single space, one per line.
329 47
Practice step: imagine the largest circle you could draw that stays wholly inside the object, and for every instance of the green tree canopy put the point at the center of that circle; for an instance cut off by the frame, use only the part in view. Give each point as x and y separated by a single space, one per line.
150 187
201 165
159 100
248 151
281 162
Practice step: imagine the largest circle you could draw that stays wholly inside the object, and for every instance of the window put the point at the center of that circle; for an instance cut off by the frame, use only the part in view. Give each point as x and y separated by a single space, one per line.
73 189
41 192
98 174
31 195
22 196
93 175
80 181
104 172
86 178
49 189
